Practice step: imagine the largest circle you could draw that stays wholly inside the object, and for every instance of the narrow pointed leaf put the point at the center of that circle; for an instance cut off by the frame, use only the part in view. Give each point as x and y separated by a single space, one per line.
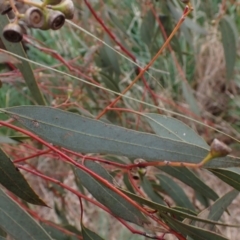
174 211
89 235
147 28
13 180
17 222
119 206
229 45
24 66
87 135
174 129
230 176
189 230
175 192
191 179
190 99
148 189
215 211
57 234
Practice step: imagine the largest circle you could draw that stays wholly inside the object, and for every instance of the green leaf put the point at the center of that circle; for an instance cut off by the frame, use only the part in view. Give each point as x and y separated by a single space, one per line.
230 176
119 206
175 192
229 45
174 129
24 66
147 28
174 211
112 56
215 211
191 179
190 99
148 189
56 233
87 135
13 180
194 232
89 235
17 222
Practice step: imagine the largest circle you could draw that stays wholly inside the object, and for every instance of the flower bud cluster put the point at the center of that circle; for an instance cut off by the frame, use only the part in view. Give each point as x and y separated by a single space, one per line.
50 14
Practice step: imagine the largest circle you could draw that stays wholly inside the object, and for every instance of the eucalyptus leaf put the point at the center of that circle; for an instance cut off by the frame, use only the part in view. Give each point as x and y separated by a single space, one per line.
87 135
215 211
175 192
55 233
13 180
17 222
189 230
89 235
180 212
229 45
119 206
230 176
24 66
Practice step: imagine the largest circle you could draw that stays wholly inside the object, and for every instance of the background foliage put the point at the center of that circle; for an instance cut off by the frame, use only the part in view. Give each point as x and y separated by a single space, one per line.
81 69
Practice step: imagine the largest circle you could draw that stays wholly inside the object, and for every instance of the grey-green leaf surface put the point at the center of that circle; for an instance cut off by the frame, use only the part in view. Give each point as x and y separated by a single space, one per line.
192 231
229 45
24 66
148 189
191 179
89 235
147 28
230 176
174 211
55 233
174 129
119 206
87 135
175 192
190 99
17 222
14 181
215 211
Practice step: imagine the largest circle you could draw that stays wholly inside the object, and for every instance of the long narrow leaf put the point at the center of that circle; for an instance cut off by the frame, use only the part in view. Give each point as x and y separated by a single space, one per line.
17 222
89 235
91 136
119 206
176 130
231 176
194 232
215 211
175 192
13 180
175 212
24 66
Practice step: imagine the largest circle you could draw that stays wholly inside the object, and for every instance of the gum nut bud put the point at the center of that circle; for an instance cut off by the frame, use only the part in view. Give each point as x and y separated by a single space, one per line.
4 7
34 17
13 32
56 20
219 149
66 7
